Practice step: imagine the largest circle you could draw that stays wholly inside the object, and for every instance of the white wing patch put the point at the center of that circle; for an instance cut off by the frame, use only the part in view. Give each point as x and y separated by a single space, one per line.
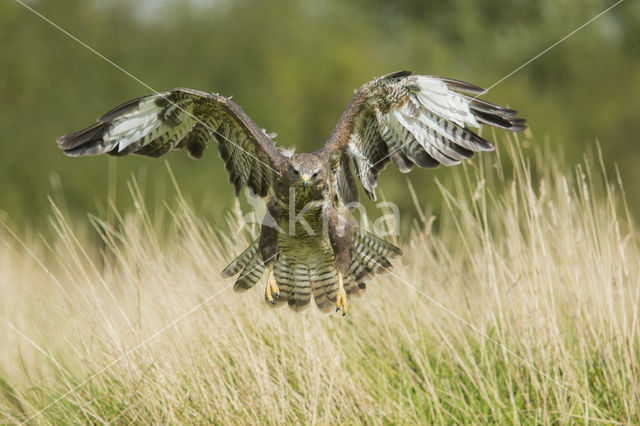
436 96
143 123
432 118
423 131
135 125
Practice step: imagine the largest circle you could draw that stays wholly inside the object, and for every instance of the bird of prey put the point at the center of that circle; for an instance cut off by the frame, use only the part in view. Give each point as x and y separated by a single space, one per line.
308 242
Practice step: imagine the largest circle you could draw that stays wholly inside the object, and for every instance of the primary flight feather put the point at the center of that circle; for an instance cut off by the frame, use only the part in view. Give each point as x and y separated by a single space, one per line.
308 242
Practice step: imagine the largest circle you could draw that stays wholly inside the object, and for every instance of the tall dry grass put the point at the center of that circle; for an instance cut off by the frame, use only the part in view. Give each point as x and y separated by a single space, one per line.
519 304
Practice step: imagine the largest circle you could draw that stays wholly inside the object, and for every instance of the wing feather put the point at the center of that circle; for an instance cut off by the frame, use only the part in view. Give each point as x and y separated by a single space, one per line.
183 119
413 119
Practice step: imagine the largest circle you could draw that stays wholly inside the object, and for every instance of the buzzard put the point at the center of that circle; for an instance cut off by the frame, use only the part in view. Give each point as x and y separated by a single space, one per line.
308 242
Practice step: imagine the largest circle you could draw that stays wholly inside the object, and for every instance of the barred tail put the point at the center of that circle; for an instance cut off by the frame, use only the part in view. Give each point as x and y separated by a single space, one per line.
324 282
294 282
297 281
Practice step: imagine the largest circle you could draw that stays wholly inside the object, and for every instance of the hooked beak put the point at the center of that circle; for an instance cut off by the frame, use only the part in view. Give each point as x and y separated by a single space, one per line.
305 180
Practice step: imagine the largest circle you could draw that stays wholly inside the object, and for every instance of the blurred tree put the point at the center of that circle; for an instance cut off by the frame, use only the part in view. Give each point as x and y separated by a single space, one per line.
293 66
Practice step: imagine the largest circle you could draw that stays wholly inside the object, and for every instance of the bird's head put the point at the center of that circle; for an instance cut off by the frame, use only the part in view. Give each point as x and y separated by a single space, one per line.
306 172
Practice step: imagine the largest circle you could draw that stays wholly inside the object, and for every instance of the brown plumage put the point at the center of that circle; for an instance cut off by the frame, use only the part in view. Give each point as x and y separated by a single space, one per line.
308 241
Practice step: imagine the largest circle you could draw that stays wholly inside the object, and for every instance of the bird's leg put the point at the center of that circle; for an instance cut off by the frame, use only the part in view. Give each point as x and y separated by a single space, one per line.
341 296
271 292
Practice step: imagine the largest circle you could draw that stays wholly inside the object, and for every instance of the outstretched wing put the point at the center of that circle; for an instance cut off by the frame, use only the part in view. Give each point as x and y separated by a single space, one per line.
183 119
409 119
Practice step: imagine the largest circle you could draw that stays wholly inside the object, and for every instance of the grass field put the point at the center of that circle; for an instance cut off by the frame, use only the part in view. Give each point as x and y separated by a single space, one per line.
518 304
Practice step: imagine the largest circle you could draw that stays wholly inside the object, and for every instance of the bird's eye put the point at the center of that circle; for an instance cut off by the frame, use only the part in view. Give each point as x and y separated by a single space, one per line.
296 172
314 174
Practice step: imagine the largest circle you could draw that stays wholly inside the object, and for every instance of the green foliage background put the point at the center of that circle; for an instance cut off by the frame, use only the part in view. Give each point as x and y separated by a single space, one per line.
293 65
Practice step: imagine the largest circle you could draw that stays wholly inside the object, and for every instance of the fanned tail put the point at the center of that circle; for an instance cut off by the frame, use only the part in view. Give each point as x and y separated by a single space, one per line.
294 282
297 280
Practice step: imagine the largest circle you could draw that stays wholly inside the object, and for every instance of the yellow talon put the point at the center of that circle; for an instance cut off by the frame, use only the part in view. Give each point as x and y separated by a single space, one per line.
341 296
271 291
